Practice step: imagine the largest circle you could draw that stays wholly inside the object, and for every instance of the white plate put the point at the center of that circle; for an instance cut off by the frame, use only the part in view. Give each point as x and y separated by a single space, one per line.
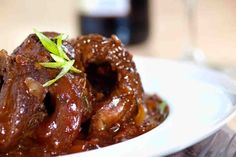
200 103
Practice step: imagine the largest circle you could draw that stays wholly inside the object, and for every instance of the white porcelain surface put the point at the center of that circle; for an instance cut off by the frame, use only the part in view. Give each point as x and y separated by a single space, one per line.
200 100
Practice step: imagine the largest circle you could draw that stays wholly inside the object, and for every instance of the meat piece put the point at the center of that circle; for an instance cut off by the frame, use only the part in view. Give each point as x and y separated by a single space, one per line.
4 62
152 118
22 98
114 79
103 105
20 109
70 98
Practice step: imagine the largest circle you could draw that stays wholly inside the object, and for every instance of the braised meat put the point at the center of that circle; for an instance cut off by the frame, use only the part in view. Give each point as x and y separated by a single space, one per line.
102 105
70 98
115 81
25 103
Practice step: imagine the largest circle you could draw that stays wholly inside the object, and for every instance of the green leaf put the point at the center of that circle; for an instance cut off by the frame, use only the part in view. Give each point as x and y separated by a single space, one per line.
57 58
47 43
59 47
59 65
65 69
75 70
64 36
61 60
58 55
162 107
52 64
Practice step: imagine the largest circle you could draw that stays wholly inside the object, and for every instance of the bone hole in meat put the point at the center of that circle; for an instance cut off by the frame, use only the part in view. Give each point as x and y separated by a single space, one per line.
102 77
48 103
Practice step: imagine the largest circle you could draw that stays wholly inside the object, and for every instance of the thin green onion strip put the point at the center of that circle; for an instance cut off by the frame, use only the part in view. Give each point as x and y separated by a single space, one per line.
62 61
59 47
52 65
64 36
47 43
65 69
57 58
75 70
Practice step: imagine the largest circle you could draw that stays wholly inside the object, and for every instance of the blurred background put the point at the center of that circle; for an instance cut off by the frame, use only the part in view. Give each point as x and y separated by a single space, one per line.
167 34
148 27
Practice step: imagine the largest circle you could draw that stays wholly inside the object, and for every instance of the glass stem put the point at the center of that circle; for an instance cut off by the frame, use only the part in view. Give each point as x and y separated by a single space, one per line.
191 23
192 52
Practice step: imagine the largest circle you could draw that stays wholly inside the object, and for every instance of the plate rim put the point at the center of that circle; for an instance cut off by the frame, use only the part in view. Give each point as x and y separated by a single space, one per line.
210 130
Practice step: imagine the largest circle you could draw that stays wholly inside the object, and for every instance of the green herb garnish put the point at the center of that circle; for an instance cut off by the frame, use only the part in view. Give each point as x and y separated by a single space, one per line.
162 107
60 50
47 43
66 68
62 61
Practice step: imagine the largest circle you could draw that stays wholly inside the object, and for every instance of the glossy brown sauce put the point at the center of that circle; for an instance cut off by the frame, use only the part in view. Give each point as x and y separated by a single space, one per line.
103 105
30 147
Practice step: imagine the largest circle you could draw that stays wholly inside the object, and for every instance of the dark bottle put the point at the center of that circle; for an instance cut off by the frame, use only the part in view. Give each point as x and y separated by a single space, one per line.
128 19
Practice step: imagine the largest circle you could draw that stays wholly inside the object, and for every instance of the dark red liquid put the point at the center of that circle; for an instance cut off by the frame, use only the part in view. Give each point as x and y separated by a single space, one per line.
131 29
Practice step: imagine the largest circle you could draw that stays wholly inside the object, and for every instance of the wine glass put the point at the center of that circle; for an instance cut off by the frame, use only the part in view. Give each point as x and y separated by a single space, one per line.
192 52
